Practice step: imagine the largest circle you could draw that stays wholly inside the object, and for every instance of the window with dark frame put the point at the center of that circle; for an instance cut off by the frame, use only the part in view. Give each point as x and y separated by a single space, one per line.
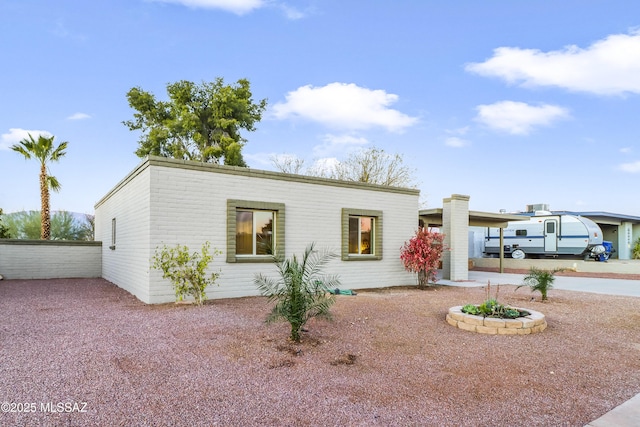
361 234
255 232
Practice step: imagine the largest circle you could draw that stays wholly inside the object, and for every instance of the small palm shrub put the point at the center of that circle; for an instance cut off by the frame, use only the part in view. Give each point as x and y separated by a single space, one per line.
302 290
187 271
540 280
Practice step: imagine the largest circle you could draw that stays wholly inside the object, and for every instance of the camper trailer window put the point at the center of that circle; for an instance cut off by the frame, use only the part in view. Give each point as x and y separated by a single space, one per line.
551 227
521 232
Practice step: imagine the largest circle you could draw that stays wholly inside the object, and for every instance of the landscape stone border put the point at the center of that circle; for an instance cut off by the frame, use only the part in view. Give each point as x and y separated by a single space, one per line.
531 324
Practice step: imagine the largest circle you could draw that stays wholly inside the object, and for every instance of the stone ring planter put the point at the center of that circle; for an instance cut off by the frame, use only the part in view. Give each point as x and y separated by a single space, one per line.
531 324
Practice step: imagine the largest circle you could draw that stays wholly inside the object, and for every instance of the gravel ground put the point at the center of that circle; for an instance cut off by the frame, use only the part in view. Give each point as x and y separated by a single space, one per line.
388 358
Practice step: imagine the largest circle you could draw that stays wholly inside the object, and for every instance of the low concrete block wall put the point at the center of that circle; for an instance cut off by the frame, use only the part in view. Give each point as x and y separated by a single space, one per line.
612 266
50 259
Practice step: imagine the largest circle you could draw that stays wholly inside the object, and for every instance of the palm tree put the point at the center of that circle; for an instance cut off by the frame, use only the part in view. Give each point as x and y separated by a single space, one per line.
302 291
44 151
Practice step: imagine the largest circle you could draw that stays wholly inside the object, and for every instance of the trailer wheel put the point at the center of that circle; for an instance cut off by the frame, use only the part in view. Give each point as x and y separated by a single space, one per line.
518 254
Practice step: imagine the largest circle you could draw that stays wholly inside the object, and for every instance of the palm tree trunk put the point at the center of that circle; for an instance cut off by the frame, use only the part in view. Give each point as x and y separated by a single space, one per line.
45 218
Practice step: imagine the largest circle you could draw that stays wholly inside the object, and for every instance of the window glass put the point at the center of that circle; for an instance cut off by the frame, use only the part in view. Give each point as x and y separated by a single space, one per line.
254 232
264 232
361 231
244 232
521 232
551 227
353 235
366 231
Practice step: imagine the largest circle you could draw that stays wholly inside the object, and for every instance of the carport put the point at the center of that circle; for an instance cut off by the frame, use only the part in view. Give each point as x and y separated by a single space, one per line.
454 219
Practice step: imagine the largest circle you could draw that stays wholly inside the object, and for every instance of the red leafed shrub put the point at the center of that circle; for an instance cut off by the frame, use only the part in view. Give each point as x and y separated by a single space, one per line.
422 254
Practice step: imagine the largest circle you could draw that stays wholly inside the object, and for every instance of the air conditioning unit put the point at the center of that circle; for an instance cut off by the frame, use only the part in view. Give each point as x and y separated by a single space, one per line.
537 207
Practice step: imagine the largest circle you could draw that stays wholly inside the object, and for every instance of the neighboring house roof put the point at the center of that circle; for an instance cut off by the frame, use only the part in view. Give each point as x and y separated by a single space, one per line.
599 217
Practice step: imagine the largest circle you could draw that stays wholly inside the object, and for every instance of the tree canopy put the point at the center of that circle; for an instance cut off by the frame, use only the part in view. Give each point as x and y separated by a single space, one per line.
4 230
64 226
372 165
199 122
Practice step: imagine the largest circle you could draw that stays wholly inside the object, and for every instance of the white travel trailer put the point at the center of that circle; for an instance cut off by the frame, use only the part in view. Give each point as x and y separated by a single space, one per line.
546 234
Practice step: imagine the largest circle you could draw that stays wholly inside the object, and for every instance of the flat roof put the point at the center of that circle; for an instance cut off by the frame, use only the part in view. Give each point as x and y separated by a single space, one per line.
600 217
433 218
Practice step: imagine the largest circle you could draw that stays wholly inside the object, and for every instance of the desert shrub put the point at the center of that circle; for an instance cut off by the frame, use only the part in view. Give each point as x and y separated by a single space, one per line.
187 271
302 291
636 249
422 254
540 280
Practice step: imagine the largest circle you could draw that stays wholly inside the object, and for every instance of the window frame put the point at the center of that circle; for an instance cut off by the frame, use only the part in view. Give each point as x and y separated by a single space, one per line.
376 230
113 234
233 206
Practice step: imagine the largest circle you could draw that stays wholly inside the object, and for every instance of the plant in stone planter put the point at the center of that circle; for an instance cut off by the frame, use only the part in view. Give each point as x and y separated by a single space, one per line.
187 271
492 308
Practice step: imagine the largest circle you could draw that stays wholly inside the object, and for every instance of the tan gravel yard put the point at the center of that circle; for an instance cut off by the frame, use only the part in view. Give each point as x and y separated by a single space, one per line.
388 358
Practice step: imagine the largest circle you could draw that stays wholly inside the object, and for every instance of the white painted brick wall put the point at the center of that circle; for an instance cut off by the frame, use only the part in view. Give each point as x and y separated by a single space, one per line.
189 207
49 260
128 264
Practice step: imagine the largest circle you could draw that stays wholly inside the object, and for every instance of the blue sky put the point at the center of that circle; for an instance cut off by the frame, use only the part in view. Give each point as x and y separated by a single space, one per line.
509 102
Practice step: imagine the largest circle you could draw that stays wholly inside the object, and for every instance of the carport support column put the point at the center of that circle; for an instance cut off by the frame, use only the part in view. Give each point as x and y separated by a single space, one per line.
455 226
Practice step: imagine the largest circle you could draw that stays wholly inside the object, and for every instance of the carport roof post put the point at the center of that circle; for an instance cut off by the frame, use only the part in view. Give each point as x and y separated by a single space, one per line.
434 218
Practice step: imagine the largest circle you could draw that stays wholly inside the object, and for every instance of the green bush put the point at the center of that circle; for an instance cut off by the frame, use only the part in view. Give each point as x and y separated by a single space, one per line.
636 249
302 291
540 280
187 271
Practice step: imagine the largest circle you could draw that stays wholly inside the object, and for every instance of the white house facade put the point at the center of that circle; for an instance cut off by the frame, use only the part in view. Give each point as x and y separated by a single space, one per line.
250 215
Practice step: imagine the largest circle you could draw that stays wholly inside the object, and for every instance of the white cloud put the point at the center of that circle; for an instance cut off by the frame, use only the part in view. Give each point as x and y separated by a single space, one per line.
625 150
518 118
324 166
607 67
291 12
338 144
345 106
79 116
239 7
16 135
633 167
455 142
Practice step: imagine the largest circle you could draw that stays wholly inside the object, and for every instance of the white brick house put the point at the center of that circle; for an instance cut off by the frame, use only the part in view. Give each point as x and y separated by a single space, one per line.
241 212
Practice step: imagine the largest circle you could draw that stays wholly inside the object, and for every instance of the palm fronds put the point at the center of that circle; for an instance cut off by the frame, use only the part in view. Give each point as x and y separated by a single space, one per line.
301 291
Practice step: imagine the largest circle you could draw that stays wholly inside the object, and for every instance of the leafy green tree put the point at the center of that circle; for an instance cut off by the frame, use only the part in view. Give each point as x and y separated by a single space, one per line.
44 151
199 122
302 291
64 226
4 230
187 271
